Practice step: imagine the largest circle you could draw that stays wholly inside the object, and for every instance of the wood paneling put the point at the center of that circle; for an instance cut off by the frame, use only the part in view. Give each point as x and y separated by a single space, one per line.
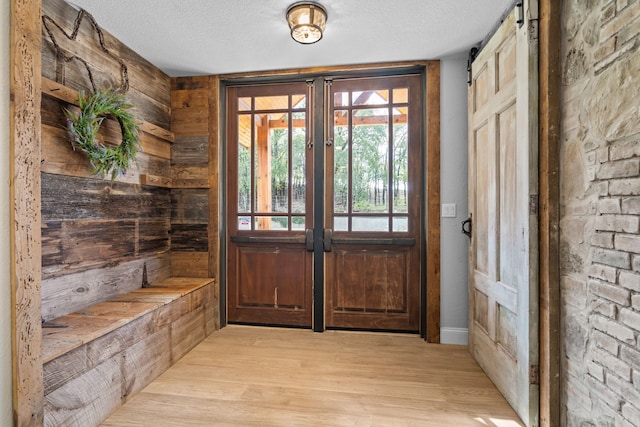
70 99
194 264
189 112
59 157
86 400
149 87
24 187
189 237
190 173
78 290
98 234
189 206
151 144
66 198
73 242
191 150
144 361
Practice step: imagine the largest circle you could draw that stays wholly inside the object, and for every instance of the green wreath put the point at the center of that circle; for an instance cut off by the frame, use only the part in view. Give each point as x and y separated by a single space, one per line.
94 108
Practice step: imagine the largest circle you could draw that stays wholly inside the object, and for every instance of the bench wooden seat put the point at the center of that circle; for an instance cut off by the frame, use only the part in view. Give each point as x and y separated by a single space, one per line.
111 350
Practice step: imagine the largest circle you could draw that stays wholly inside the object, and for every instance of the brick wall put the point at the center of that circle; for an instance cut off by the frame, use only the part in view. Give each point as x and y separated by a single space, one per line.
600 213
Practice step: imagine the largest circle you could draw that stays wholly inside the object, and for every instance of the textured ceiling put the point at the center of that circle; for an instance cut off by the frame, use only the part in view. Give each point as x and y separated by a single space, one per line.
192 37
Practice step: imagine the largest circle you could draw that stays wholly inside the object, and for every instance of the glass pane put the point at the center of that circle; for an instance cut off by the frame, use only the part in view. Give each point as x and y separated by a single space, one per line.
244 223
279 162
401 95
272 223
244 169
400 114
244 104
298 223
340 162
370 223
401 224
244 129
298 164
272 102
341 99
370 97
400 168
370 164
262 153
298 101
340 223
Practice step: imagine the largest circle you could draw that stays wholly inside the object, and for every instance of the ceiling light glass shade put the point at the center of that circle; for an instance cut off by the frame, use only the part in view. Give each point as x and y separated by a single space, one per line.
307 21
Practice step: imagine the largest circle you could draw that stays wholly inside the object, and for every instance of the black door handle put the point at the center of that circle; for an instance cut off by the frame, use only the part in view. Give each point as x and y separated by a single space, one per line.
308 238
467 227
327 238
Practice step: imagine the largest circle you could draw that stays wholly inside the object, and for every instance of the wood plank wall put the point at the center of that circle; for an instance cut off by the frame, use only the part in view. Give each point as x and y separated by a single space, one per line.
97 235
190 201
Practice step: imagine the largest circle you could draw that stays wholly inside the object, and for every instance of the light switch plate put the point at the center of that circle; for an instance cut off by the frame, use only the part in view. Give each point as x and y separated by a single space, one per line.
448 210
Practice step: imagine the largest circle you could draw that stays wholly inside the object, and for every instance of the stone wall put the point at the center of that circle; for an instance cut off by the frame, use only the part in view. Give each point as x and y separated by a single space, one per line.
600 213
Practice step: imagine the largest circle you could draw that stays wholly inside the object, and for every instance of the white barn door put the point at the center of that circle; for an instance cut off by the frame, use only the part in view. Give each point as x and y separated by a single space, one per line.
503 187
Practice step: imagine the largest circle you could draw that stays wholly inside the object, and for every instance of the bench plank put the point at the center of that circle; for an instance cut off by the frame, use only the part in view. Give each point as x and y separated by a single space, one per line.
100 319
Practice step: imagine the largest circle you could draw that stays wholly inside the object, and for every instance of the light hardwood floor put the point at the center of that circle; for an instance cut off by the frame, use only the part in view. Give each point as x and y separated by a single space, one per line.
250 376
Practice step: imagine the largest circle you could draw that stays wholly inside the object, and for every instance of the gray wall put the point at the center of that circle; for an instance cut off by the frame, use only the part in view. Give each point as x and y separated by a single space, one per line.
5 288
453 189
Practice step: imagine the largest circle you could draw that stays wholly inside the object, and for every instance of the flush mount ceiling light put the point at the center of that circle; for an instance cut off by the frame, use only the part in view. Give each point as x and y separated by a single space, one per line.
307 21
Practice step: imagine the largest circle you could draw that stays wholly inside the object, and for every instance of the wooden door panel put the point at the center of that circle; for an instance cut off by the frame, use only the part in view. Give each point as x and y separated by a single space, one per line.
370 281
509 235
371 289
485 208
271 277
502 181
272 285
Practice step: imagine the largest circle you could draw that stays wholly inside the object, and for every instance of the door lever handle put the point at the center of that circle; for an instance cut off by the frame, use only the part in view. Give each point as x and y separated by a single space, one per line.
308 239
328 235
467 227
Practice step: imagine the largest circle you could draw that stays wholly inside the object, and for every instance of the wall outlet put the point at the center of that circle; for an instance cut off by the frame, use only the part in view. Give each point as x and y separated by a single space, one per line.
449 210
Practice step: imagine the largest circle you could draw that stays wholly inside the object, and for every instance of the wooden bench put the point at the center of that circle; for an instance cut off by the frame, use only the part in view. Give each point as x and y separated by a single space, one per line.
96 358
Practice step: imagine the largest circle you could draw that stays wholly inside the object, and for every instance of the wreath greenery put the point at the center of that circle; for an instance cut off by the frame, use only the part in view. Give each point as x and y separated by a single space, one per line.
83 128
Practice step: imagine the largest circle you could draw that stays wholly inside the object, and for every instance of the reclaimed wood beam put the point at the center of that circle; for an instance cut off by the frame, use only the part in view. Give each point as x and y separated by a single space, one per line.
25 135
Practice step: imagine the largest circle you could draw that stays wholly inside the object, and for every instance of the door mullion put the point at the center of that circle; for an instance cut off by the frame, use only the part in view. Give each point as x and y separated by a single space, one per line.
318 116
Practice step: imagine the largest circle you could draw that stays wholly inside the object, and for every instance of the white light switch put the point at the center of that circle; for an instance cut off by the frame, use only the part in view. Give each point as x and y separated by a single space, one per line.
448 210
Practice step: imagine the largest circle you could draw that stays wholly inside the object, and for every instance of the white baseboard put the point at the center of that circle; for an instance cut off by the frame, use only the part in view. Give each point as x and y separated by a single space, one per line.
459 336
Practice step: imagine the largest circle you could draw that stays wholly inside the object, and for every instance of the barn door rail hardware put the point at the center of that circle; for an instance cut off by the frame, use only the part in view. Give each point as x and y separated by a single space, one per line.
520 21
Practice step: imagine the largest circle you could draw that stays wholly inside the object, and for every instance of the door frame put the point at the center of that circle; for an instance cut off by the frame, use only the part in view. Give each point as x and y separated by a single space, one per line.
430 209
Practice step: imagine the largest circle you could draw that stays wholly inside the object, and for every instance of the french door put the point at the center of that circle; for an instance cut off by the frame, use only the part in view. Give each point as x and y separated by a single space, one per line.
324 200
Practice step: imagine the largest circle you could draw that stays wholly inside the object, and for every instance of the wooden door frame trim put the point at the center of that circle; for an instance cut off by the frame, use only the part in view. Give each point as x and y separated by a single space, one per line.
432 201
550 122
431 258
26 243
